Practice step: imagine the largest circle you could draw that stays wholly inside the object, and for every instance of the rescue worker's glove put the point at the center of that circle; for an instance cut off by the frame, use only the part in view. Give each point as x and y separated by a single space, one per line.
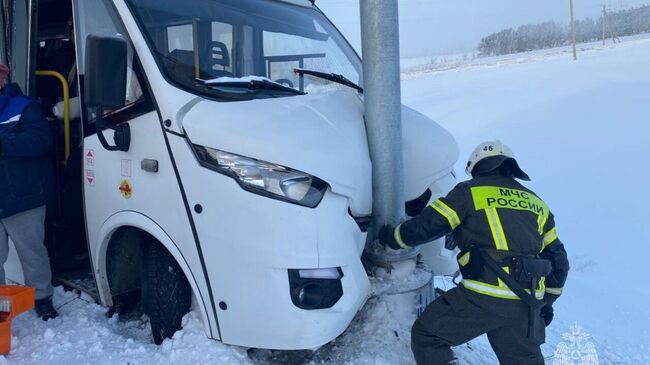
387 237
547 310
547 314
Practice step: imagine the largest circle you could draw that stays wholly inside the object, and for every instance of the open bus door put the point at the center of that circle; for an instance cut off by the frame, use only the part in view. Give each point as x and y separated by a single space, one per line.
38 44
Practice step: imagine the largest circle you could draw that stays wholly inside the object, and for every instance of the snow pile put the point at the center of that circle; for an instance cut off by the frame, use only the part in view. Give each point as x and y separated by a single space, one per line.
84 335
381 334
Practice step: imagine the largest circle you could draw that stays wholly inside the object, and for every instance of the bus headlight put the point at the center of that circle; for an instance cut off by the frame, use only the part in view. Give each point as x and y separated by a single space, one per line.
265 178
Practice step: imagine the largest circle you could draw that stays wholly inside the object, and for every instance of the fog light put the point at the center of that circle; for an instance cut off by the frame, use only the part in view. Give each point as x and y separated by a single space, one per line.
315 288
311 295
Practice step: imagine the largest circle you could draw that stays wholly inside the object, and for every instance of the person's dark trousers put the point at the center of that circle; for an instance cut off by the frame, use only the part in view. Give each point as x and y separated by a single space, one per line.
459 315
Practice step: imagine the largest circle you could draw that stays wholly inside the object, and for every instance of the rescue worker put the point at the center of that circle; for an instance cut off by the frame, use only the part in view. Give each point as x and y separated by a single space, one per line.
508 247
24 142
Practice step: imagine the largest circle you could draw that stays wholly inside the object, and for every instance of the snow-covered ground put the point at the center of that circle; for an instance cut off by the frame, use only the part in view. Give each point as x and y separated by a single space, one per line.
580 129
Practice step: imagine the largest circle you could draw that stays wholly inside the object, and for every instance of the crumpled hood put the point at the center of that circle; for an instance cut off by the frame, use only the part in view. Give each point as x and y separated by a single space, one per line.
430 152
322 134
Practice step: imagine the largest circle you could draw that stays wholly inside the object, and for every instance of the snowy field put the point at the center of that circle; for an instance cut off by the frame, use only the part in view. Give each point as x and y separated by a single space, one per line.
580 129
413 67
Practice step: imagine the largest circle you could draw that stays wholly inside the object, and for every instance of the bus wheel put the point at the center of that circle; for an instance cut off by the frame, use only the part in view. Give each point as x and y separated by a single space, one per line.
166 294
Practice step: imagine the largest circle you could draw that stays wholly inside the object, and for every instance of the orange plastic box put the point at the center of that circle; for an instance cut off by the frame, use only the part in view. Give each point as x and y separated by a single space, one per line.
5 337
18 299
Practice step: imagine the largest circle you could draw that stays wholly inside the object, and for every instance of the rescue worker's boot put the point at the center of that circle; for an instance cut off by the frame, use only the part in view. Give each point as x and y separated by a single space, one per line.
45 309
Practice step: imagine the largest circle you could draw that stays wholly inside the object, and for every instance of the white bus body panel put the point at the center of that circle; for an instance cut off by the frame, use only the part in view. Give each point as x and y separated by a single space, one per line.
250 241
156 196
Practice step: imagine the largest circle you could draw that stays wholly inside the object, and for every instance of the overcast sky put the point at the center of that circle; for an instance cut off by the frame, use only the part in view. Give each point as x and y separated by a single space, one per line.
429 27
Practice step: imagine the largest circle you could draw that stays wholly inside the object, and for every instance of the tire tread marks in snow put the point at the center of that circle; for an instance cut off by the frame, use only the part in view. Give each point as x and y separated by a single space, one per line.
167 295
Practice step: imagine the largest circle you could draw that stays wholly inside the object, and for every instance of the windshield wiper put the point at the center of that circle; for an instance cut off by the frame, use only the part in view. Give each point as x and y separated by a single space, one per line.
340 79
253 84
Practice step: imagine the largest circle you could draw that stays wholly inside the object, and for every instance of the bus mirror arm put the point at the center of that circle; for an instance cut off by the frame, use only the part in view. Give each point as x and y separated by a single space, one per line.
121 136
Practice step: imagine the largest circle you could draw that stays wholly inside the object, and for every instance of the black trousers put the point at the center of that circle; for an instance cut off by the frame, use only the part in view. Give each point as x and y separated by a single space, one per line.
460 315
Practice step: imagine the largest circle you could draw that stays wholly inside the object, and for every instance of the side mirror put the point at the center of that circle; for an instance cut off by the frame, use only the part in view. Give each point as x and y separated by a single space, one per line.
105 84
105 71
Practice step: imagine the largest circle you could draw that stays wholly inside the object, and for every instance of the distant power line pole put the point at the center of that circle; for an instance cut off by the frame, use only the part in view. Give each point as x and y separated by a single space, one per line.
573 31
607 26
604 16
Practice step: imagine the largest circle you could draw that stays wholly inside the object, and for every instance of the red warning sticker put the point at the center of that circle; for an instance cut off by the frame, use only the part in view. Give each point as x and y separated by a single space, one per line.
125 189
90 177
90 157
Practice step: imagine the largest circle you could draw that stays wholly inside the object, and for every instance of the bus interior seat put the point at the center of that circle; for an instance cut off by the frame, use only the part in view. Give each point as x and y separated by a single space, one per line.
181 63
219 57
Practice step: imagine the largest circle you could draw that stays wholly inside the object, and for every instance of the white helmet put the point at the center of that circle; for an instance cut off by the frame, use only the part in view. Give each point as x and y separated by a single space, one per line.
494 153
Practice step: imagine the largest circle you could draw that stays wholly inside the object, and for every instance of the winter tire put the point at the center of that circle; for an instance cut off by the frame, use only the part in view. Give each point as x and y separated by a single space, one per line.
166 294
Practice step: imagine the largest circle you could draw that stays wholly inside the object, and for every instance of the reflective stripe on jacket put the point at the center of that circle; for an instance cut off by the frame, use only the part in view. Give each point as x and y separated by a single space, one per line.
501 217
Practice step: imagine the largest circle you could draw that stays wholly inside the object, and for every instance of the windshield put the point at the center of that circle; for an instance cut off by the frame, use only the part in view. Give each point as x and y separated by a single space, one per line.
199 40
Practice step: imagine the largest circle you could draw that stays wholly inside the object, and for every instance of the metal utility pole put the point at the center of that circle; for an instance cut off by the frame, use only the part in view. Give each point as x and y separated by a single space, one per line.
383 107
573 31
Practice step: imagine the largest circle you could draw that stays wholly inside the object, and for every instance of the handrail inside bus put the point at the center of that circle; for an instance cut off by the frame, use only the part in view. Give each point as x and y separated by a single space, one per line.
66 109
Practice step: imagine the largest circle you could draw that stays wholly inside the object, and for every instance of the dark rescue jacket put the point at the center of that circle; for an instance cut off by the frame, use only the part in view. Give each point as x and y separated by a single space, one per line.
24 141
502 218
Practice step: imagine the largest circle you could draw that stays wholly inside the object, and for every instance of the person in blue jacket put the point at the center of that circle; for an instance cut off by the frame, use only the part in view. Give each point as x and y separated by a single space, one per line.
24 185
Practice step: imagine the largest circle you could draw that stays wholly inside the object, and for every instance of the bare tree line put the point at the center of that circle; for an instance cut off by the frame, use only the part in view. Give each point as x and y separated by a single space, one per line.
550 34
